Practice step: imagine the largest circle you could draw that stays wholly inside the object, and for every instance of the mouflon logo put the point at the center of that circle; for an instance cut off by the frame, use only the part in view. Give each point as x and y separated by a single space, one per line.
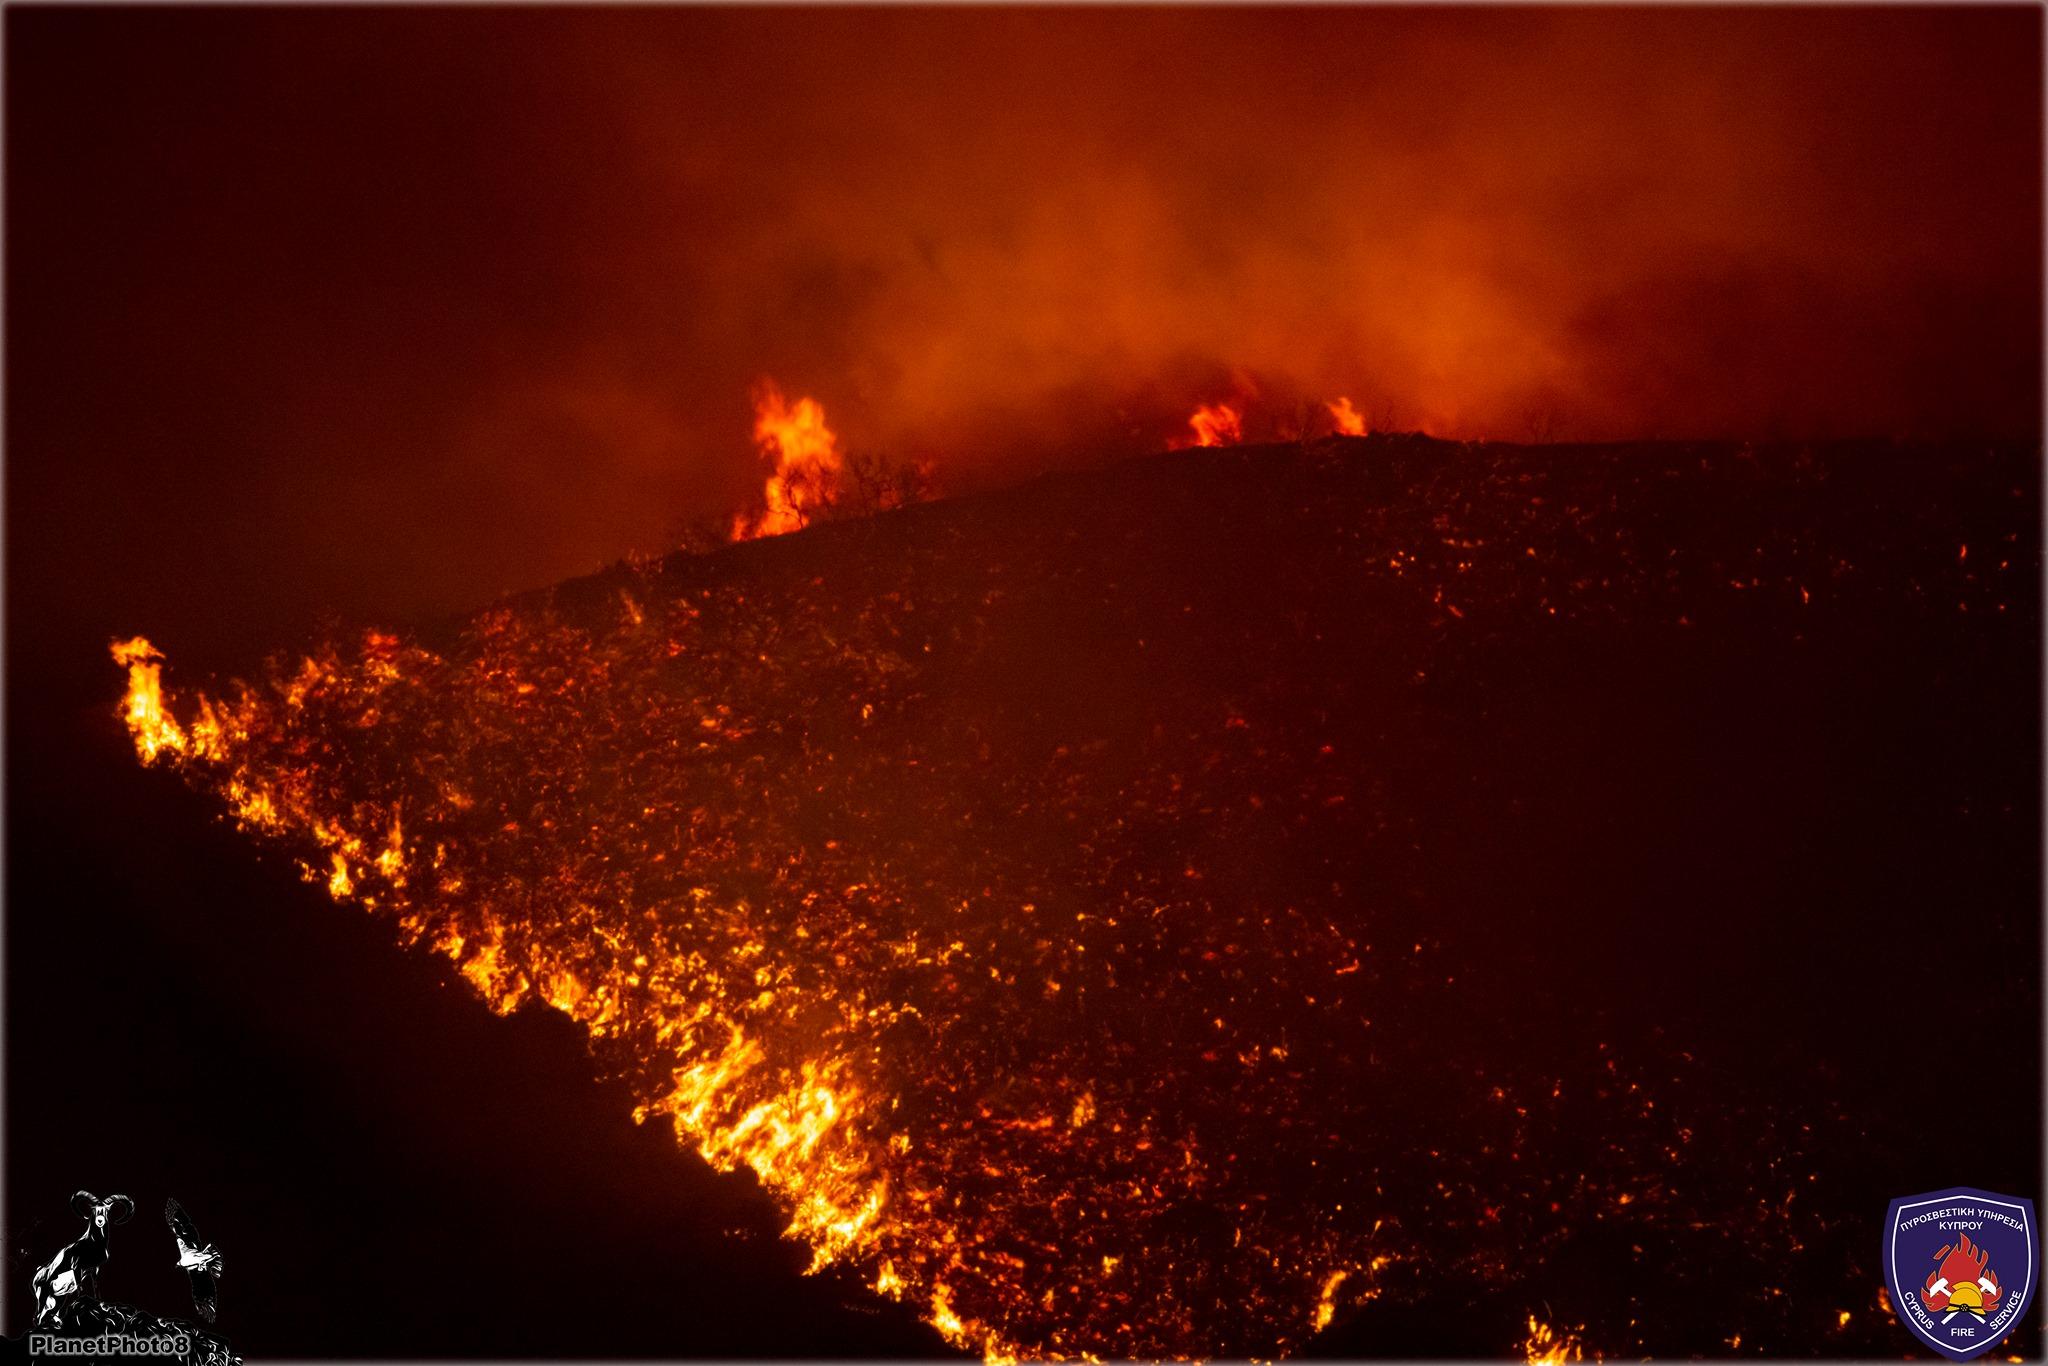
1960 1265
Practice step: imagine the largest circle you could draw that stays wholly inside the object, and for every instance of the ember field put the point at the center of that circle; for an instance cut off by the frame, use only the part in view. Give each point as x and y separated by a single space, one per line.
1375 897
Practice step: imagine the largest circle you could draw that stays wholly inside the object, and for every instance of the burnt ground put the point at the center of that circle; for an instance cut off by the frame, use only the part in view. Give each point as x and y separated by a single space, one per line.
1711 770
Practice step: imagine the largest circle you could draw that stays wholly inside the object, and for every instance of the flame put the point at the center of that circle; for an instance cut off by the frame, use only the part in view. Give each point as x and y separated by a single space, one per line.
143 707
807 464
1213 424
1350 422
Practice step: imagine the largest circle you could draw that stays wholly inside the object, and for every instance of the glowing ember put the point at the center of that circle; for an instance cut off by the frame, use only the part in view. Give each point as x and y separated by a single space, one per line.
807 464
1082 1005
1327 1302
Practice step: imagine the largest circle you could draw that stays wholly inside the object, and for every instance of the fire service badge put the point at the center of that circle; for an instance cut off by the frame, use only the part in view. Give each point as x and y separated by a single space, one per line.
1960 1266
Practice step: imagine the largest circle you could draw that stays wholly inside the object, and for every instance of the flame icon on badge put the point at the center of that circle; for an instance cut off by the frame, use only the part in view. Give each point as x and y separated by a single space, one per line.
1964 1283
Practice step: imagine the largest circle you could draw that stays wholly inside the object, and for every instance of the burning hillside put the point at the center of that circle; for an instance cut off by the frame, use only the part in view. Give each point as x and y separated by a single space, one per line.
1194 907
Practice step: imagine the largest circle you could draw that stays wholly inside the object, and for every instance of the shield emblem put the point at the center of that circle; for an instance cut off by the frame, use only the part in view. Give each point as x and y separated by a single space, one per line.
1961 1265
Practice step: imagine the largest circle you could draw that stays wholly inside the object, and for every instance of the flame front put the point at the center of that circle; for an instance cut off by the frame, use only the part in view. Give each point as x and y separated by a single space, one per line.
793 1011
807 464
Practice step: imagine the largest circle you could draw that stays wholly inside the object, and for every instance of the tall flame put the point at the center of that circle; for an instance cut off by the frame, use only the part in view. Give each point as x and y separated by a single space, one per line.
807 464
1350 422
143 709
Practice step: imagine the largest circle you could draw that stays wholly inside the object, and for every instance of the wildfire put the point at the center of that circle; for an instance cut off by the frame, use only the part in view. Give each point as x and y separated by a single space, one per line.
807 464
1350 422
695 813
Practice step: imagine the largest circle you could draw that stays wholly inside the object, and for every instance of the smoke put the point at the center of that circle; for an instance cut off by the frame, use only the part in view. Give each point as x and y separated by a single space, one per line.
993 234
458 301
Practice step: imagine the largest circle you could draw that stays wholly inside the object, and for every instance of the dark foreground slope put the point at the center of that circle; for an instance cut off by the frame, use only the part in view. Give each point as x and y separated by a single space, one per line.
1706 770
1347 899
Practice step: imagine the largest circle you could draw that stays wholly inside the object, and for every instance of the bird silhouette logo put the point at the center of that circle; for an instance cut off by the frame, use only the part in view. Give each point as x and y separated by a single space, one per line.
201 1261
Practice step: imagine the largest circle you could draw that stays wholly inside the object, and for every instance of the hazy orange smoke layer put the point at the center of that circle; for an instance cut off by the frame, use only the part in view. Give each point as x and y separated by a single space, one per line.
1602 222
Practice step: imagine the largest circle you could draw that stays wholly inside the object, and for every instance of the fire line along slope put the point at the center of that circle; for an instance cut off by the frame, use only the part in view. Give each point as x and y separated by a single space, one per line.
1360 897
